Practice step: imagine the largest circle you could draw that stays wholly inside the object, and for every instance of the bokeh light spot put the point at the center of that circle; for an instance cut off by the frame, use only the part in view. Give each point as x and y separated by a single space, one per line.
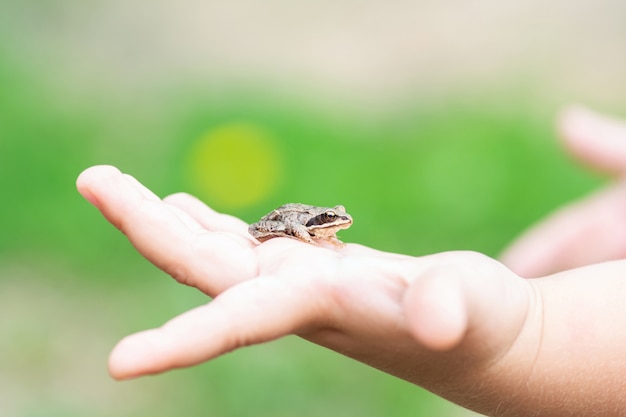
234 165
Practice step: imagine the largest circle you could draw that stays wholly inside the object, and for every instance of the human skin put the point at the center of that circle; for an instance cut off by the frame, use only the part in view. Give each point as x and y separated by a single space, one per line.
591 229
458 323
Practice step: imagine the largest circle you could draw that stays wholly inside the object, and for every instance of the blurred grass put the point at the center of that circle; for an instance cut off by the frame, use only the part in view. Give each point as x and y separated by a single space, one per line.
463 172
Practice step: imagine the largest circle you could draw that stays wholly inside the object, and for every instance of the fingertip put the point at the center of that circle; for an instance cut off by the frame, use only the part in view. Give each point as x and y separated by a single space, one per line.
436 312
576 121
123 360
89 177
135 355
96 172
596 139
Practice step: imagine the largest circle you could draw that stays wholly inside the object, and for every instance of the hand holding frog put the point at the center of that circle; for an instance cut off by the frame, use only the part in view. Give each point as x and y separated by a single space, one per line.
394 312
459 324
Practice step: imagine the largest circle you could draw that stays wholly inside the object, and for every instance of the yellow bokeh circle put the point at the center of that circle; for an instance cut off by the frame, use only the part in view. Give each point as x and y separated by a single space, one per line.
234 165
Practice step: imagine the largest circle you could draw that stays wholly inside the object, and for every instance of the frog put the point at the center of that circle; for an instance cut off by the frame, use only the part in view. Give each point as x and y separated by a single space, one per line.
310 224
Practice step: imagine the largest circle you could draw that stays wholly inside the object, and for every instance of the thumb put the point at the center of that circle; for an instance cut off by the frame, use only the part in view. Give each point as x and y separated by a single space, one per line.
466 298
436 311
597 140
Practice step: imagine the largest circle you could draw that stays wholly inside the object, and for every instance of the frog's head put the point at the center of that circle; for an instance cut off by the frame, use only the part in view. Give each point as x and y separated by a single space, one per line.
327 221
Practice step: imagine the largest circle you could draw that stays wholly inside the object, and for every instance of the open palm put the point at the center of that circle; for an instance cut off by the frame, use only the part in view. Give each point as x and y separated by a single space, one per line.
458 323
391 311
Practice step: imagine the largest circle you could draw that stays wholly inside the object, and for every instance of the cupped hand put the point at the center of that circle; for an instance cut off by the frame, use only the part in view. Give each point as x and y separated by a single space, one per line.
590 230
440 321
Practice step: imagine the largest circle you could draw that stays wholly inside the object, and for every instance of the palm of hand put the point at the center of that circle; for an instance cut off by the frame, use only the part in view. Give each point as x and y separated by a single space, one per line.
459 324
392 311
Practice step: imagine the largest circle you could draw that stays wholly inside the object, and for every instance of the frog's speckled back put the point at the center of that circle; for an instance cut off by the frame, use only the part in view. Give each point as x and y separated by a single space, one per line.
307 223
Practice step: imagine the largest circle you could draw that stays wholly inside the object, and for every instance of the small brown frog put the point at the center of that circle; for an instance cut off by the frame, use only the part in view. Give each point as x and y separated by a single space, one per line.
309 224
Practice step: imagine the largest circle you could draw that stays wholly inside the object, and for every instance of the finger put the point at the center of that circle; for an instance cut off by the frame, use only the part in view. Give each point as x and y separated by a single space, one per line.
108 177
595 139
166 236
207 217
253 312
585 232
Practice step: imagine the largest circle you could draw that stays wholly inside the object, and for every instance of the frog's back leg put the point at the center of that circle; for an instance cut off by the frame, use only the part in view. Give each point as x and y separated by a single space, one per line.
267 229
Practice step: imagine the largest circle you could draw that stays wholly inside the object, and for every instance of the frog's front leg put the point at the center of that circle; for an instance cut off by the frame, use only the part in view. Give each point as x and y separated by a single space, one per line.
299 232
335 242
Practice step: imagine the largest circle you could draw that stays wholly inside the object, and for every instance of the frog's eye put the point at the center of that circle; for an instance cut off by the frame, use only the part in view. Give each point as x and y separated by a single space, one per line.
330 216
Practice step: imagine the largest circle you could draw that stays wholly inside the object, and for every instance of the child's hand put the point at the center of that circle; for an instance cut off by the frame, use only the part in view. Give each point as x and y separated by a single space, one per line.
442 321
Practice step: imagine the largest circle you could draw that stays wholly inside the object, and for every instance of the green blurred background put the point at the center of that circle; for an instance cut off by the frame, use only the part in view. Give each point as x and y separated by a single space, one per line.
432 122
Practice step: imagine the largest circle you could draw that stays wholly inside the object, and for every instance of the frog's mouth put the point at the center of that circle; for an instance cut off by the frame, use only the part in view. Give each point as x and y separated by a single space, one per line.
326 230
